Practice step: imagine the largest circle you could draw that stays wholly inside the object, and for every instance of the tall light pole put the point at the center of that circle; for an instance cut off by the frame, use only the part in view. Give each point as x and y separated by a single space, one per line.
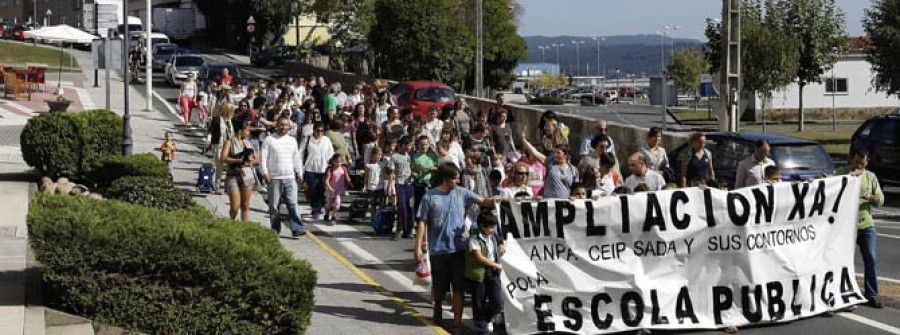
833 93
542 48
479 50
598 39
662 73
558 67
672 39
149 56
618 97
126 117
578 57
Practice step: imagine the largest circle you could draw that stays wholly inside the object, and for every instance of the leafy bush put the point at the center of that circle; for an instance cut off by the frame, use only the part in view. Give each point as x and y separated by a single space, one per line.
161 272
102 133
110 168
546 101
68 144
51 144
155 192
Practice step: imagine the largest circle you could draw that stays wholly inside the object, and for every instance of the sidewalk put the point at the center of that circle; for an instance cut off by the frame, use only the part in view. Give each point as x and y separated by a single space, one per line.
347 301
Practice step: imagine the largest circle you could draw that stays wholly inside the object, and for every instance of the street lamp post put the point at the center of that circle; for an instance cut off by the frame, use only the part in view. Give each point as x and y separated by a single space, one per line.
578 57
149 57
542 49
558 66
618 91
672 39
833 93
126 117
598 39
662 73
479 49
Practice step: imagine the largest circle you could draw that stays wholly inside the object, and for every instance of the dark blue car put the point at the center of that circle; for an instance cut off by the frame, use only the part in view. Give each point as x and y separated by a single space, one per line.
163 52
798 159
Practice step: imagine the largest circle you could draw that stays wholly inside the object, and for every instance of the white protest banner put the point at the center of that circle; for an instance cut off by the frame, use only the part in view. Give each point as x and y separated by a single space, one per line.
682 259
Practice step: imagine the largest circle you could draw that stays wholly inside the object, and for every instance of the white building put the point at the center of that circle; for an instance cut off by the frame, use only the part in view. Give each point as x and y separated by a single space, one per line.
850 91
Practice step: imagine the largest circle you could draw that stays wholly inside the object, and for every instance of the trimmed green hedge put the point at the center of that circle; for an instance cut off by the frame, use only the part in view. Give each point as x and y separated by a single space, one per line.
547 101
110 168
68 144
154 192
160 272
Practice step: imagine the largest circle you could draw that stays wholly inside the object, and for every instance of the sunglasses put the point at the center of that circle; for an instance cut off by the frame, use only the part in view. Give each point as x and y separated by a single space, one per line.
522 173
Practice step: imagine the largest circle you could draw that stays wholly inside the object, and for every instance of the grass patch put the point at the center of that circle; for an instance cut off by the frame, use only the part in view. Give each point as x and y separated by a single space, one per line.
17 54
691 115
837 149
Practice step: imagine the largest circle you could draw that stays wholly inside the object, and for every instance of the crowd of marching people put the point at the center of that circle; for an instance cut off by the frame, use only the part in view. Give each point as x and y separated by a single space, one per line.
428 176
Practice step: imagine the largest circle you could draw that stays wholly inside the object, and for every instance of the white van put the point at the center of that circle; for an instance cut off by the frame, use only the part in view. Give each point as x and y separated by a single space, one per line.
155 38
135 26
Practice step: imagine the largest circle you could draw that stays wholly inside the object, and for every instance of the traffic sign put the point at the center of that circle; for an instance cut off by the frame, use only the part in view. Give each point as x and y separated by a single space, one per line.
251 28
251 21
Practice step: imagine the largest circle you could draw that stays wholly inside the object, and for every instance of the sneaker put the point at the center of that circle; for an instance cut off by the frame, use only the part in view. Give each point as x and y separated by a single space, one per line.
874 303
297 234
489 327
395 238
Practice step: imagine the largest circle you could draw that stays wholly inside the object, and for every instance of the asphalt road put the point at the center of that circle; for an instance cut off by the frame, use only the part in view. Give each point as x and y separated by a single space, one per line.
390 262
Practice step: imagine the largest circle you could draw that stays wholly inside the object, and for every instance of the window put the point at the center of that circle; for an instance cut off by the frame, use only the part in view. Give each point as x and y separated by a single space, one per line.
728 155
836 86
800 157
885 132
866 129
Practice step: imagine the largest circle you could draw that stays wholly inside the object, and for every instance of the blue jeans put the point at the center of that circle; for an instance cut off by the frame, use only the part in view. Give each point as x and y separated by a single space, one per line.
404 207
867 240
316 191
284 190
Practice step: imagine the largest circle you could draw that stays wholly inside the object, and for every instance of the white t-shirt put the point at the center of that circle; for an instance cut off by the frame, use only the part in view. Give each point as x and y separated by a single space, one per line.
653 179
373 176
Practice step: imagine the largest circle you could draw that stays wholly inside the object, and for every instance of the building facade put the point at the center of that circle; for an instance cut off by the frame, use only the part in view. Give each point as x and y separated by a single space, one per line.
68 12
847 90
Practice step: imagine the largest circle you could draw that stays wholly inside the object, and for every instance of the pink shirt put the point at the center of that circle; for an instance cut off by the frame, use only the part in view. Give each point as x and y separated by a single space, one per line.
336 179
538 171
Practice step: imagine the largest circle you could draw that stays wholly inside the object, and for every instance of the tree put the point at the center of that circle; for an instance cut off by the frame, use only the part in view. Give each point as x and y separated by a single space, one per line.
686 67
419 40
882 24
783 41
817 27
226 19
503 47
774 69
712 50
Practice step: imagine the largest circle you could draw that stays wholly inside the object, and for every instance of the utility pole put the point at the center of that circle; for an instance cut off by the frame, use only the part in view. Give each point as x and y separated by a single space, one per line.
126 117
97 32
577 57
598 39
662 73
479 49
730 76
149 56
558 66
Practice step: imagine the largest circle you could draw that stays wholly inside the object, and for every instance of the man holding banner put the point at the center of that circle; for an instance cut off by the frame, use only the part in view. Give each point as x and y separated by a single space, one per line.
442 217
866 238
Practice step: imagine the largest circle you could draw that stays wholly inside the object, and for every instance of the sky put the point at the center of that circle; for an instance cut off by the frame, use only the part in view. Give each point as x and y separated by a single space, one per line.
623 17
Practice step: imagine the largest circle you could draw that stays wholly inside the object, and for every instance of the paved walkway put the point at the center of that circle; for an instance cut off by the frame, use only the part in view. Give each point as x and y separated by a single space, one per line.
347 301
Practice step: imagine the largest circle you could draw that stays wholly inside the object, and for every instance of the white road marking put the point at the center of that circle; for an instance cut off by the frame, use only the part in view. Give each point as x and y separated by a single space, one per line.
884 279
870 322
405 280
166 103
889 236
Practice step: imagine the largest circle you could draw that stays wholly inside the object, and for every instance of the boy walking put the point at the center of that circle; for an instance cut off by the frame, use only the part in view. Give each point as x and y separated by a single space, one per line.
168 152
482 272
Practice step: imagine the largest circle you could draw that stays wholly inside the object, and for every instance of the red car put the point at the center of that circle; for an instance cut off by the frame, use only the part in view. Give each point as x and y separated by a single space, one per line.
418 96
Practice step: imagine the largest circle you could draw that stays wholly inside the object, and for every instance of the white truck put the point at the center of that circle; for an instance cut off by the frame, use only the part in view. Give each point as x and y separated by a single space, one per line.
177 23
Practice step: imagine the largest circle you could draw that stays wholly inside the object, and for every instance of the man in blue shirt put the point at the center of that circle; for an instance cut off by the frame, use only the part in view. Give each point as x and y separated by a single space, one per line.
442 217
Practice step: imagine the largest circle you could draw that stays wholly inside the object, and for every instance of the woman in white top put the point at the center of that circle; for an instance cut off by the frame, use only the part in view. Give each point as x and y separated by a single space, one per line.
519 186
433 125
654 153
317 151
187 97
381 109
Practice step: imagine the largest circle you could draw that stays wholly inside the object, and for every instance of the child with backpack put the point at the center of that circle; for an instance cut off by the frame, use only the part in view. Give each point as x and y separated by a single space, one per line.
168 148
482 272
337 180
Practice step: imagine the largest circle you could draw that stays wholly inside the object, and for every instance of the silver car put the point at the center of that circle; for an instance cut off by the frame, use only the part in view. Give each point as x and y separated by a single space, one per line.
178 68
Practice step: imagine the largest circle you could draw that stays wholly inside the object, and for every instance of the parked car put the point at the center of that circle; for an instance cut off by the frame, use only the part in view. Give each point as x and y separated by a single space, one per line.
162 54
418 96
798 159
180 65
273 57
881 135
213 71
15 32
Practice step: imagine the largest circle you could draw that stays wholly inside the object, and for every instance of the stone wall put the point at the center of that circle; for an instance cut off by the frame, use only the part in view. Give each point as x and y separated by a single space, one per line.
627 138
